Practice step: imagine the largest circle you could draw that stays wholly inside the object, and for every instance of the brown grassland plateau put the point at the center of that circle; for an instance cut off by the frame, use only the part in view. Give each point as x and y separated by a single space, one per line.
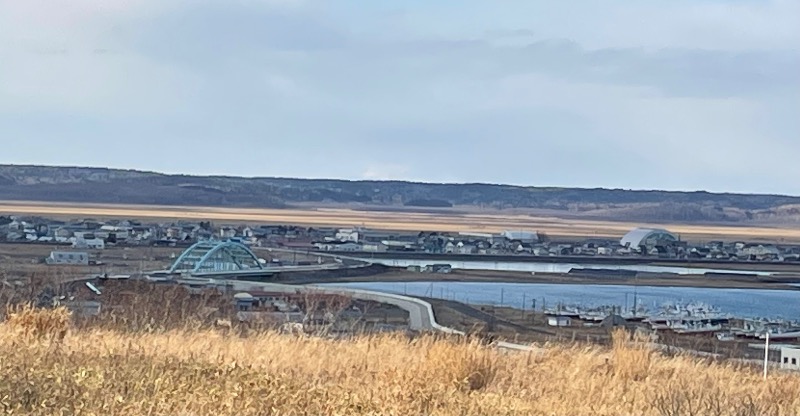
443 220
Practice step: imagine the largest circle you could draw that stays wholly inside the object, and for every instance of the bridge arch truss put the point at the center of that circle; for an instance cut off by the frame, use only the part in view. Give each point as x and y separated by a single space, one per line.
216 256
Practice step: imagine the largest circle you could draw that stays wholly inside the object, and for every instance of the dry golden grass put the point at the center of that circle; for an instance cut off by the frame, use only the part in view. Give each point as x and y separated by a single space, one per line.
29 323
485 221
204 372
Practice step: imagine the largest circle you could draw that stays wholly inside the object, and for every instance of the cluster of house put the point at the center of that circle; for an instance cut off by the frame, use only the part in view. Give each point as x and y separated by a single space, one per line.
94 235
91 234
86 234
638 242
268 308
363 240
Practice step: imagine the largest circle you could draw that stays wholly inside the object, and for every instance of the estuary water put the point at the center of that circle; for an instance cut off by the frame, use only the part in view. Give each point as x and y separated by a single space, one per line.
745 303
558 267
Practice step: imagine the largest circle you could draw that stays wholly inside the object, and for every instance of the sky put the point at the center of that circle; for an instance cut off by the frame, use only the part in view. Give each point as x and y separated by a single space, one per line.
644 94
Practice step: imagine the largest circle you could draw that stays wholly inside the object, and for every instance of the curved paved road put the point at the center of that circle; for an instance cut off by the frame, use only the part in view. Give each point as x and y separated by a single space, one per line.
420 312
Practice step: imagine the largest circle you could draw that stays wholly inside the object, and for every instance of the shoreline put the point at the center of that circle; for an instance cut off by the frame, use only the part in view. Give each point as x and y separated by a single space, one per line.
751 266
468 276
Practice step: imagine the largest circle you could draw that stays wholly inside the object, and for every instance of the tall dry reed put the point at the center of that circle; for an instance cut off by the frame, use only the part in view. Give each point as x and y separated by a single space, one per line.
101 371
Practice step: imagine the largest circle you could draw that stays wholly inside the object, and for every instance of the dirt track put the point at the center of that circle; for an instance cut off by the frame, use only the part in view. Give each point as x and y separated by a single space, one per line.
491 221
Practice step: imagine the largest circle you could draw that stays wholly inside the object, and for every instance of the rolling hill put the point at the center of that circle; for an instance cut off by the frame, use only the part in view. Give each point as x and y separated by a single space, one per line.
101 185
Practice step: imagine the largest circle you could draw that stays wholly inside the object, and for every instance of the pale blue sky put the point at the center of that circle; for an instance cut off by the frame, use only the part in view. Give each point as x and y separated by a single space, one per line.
669 94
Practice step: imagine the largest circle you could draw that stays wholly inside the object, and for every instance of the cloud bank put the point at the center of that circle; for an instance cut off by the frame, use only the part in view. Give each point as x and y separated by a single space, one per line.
646 94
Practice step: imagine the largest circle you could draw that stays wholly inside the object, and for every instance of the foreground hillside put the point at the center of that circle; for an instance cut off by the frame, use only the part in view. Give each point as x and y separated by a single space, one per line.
48 368
98 185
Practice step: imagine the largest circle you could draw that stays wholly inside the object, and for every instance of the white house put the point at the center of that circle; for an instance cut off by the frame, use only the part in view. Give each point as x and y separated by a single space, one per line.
462 248
89 243
17 225
347 234
605 251
227 232
760 251
449 248
522 248
120 233
790 358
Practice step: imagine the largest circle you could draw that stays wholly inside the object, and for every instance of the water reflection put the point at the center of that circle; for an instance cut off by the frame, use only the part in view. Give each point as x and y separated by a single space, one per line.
750 303
560 267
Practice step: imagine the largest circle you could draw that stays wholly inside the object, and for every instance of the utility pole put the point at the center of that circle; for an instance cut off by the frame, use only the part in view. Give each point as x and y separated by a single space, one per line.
766 356
626 302
523 304
635 292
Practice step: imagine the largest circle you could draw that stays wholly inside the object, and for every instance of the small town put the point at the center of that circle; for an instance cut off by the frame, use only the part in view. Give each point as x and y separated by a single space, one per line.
650 243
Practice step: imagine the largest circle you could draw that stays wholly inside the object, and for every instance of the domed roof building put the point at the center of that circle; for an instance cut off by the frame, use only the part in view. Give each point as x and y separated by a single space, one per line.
648 237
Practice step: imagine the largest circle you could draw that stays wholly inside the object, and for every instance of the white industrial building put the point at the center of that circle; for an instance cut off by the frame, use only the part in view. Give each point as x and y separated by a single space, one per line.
122 233
73 258
521 236
338 246
374 247
482 236
648 237
559 321
790 358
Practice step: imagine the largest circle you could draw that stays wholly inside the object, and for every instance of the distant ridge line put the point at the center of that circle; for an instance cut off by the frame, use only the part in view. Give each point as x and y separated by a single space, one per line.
71 184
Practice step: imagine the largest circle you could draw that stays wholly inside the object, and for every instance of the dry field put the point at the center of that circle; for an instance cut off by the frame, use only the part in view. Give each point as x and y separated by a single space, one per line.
48 367
28 259
486 221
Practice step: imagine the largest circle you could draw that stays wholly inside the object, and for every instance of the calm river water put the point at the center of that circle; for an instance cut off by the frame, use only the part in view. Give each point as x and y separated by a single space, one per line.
557 267
747 303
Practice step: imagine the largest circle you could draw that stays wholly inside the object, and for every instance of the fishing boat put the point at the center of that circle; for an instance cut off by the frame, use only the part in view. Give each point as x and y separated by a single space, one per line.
597 314
748 328
637 313
564 310
593 316
695 312
776 333
697 328
725 336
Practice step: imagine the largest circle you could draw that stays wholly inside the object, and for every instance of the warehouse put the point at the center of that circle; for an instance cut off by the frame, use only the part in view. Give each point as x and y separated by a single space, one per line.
648 237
